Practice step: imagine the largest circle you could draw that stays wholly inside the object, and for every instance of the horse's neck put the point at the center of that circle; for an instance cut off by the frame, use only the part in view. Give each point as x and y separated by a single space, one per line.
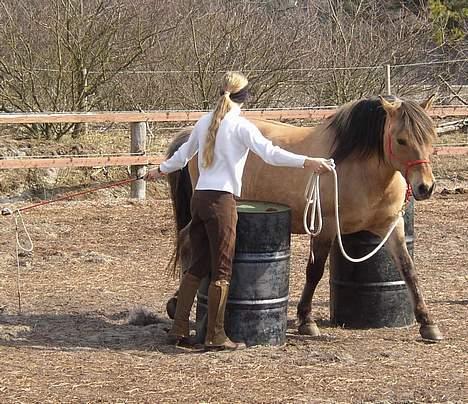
315 142
371 173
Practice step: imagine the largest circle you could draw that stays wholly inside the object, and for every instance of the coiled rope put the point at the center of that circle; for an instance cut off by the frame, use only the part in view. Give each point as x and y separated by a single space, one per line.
313 209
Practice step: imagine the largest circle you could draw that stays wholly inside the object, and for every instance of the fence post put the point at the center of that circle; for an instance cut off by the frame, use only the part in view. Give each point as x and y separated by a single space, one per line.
138 145
388 83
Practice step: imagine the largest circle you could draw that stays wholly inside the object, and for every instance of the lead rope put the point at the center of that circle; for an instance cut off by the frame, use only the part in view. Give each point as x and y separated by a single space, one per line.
313 205
18 221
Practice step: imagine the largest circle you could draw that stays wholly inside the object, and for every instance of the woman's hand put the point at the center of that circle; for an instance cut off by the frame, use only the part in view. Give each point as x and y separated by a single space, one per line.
153 175
318 165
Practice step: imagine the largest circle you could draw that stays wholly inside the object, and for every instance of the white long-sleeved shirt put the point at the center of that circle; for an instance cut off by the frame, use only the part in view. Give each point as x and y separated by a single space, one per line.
235 137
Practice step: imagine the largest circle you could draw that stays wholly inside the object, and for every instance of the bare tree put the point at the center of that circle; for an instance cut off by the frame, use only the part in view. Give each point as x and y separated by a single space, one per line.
295 53
58 54
253 37
356 40
112 54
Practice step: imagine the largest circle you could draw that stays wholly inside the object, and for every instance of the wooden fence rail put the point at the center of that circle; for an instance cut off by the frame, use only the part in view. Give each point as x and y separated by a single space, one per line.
189 116
138 160
142 161
67 162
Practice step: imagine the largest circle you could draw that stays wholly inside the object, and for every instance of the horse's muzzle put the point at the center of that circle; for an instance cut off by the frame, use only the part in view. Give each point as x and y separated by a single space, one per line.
423 191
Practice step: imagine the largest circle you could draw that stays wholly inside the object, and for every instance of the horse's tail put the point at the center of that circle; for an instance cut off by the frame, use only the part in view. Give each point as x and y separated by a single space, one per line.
180 189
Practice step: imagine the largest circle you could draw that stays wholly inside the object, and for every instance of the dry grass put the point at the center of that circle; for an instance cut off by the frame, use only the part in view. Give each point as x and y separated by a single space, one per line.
96 260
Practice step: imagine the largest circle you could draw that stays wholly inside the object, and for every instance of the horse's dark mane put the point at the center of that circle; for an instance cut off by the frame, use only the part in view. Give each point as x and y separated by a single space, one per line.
359 127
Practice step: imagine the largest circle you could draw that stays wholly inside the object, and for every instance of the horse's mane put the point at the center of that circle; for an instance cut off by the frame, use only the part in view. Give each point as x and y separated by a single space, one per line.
358 127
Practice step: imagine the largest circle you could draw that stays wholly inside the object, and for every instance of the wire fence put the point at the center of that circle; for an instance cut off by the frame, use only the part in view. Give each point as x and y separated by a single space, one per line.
302 87
309 69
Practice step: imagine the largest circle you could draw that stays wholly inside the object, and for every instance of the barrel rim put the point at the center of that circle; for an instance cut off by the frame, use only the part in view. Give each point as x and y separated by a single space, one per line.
280 206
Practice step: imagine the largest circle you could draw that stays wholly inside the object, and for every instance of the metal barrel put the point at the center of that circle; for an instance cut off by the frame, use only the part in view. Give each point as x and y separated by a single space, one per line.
256 310
370 294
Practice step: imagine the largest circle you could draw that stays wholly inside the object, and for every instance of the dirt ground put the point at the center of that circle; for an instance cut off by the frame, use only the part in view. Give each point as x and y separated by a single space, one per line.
95 260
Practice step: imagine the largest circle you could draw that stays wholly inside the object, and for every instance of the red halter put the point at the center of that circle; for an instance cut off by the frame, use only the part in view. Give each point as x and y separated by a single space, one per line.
408 164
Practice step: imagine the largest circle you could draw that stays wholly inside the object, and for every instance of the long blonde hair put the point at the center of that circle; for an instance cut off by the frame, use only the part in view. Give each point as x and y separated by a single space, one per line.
231 83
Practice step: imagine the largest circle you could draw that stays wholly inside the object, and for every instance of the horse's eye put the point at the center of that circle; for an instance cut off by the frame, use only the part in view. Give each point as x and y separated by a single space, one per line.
402 142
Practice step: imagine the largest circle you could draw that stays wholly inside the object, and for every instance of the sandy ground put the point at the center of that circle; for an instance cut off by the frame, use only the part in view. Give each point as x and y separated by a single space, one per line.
95 260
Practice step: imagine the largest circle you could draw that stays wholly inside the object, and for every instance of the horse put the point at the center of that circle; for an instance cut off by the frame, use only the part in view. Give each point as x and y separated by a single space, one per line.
380 145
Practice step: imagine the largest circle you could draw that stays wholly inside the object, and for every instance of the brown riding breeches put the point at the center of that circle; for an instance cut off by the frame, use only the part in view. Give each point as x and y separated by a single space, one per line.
213 234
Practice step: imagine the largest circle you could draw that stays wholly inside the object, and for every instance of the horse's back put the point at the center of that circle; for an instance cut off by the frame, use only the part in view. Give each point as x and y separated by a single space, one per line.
282 134
281 184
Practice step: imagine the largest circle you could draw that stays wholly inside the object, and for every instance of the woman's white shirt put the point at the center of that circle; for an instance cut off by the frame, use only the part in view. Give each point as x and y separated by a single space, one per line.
235 137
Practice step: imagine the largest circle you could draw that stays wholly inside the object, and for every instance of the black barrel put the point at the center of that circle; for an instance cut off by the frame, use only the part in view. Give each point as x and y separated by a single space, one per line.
370 294
257 306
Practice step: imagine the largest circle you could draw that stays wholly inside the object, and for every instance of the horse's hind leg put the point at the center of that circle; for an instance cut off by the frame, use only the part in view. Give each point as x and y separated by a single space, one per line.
396 246
319 249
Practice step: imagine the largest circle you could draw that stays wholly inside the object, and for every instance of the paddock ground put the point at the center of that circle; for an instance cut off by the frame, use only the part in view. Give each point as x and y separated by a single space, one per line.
95 260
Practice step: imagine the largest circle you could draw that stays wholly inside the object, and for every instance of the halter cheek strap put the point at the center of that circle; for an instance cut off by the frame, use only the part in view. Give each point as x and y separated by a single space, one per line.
408 164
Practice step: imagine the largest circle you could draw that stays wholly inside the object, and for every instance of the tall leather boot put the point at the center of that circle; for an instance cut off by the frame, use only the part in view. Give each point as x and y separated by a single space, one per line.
180 330
216 338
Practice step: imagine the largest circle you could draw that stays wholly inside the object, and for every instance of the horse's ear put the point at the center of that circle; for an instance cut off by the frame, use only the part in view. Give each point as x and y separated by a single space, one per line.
390 107
428 103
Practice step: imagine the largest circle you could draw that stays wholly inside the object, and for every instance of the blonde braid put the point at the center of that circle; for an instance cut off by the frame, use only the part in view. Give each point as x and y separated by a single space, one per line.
222 108
232 82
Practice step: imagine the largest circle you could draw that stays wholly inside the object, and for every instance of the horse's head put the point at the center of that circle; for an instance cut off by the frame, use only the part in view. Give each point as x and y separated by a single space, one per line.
408 137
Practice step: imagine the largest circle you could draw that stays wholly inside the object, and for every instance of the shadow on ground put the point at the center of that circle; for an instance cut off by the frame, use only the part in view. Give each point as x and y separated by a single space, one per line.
96 331
76 331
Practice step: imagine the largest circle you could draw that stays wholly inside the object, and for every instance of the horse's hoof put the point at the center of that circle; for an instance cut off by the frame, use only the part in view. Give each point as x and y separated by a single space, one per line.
171 306
430 332
309 329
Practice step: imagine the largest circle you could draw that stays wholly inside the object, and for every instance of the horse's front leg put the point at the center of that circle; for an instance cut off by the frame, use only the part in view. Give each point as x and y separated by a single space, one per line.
319 250
396 246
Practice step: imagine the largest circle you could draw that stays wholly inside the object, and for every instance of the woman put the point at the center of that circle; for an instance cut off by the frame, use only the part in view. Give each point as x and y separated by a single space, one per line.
222 139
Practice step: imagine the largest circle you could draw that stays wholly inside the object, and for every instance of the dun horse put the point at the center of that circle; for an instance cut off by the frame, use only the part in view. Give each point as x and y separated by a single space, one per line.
379 146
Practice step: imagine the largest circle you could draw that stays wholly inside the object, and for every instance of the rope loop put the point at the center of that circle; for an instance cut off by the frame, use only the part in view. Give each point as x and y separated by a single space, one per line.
18 218
313 205
313 208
